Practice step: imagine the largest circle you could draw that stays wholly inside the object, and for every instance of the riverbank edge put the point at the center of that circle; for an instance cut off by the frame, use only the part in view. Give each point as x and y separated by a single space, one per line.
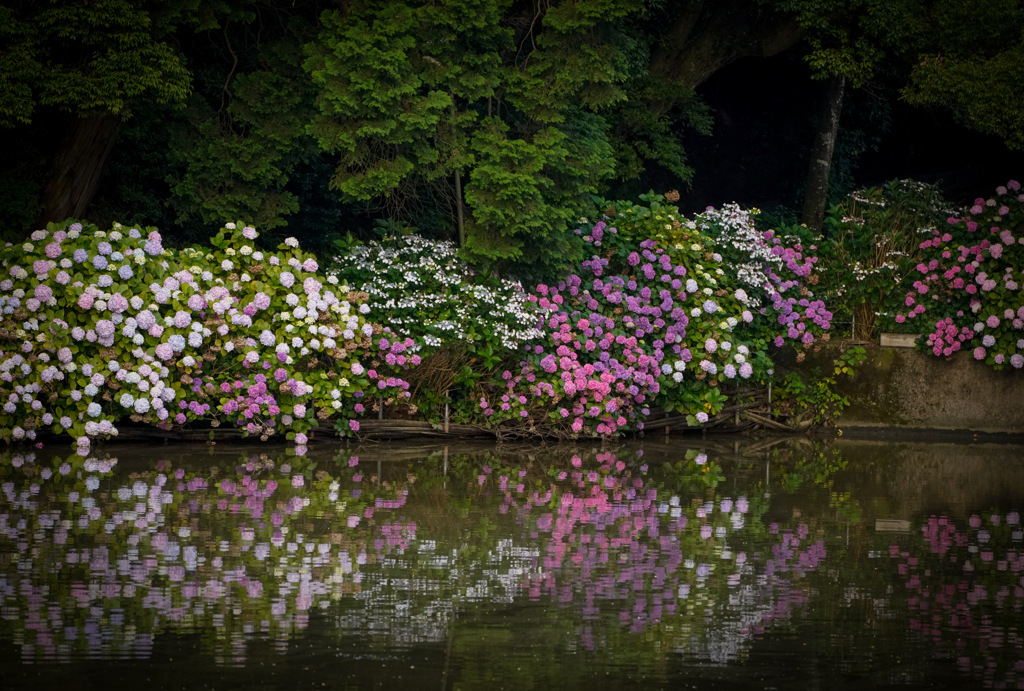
907 392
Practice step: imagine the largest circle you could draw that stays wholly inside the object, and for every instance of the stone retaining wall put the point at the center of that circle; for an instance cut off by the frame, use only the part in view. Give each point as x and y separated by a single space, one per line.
905 388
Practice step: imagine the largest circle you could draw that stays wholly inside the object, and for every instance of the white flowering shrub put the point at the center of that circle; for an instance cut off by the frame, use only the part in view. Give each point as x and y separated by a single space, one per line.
430 295
870 246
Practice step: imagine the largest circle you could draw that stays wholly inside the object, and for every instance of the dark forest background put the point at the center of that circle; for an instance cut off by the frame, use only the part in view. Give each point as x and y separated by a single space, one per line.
496 124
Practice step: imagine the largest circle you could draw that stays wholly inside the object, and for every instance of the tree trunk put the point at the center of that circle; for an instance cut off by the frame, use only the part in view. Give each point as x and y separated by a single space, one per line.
78 167
458 206
816 197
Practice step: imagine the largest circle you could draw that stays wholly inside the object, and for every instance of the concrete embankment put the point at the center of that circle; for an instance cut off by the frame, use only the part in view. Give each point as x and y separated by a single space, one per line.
906 390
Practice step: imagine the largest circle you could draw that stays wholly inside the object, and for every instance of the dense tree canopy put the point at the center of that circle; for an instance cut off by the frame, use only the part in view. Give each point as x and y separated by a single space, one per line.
497 123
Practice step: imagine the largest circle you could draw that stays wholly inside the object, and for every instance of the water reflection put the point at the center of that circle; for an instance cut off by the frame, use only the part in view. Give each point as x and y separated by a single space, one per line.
655 561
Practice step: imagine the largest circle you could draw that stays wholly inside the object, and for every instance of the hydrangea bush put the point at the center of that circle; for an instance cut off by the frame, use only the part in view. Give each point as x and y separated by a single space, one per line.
430 295
871 243
460 326
99 326
658 316
102 326
968 289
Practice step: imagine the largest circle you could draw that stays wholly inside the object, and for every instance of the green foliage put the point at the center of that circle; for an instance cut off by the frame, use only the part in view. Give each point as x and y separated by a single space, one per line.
852 39
809 398
870 248
972 62
83 58
509 111
236 161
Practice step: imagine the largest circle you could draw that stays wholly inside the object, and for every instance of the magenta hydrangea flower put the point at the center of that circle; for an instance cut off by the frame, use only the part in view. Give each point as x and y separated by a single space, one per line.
311 286
43 292
105 328
261 301
117 303
145 319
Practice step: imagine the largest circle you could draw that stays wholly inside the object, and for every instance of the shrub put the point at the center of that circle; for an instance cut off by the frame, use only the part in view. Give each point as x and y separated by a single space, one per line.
967 293
99 326
870 247
657 317
461 326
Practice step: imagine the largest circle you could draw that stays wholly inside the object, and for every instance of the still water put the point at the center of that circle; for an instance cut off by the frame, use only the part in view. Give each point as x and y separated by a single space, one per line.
785 564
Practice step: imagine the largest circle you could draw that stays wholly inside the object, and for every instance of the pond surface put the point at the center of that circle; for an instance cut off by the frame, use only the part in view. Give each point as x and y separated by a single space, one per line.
781 564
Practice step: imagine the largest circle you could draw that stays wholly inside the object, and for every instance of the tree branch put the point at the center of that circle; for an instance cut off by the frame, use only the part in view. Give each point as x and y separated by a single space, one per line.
706 38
